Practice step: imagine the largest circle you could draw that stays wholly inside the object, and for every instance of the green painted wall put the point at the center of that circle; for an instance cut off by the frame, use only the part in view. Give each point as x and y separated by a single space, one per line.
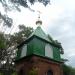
39 47
30 46
56 53
36 46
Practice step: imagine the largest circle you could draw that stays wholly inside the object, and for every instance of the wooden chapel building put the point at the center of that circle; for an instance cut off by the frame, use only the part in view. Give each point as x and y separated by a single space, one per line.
39 54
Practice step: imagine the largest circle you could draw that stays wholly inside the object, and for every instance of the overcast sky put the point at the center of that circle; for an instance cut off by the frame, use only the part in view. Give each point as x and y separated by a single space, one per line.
58 21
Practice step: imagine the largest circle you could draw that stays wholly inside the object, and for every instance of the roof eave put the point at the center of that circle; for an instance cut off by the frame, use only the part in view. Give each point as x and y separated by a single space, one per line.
27 40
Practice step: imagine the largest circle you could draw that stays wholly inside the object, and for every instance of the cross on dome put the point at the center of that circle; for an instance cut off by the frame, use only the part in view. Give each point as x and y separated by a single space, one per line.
39 22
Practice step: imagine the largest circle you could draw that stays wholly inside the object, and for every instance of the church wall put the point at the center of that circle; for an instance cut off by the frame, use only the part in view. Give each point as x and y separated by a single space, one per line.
30 47
42 65
56 53
39 47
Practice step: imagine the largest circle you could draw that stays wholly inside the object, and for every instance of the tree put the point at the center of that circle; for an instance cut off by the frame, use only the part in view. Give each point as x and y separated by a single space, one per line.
2 41
20 36
8 44
17 38
3 52
10 5
68 70
6 19
16 3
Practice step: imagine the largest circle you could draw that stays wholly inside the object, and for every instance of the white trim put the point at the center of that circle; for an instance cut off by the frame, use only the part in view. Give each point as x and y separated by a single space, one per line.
24 50
48 51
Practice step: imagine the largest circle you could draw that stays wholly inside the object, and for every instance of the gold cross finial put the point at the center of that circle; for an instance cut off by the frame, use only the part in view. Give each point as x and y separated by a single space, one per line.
39 14
39 22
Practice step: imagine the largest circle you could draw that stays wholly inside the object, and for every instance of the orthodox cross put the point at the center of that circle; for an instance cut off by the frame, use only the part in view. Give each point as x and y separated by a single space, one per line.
39 22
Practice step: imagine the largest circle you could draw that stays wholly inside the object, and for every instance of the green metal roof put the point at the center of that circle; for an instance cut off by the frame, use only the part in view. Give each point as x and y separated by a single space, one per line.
40 33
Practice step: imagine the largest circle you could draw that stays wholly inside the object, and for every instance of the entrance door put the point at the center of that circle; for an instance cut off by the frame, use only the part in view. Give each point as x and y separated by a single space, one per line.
21 72
49 72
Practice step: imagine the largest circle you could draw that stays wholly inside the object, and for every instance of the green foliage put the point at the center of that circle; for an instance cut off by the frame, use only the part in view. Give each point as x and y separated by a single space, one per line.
10 5
2 41
34 71
7 21
14 73
1 73
68 70
15 4
25 31
25 4
8 44
20 36
3 46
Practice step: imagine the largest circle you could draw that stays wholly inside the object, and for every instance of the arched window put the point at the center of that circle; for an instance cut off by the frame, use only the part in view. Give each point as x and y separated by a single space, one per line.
49 72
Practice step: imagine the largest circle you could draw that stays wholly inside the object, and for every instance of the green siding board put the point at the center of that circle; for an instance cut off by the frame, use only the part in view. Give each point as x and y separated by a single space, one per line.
36 46
56 53
39 47
30 47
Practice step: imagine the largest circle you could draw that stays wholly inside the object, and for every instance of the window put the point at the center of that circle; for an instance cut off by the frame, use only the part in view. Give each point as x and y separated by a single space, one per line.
48 51
24 50
49 72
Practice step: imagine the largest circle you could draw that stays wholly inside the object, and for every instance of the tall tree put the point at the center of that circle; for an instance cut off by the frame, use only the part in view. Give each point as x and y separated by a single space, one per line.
20 36
3 52
9 42
16 39
8 49
10 5
68 70
24 3
2 41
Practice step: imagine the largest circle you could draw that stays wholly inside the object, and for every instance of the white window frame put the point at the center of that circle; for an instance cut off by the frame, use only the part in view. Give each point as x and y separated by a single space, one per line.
48 51
24 50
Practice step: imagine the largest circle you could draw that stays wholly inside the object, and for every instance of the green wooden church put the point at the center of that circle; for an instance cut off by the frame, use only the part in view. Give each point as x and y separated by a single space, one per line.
39 54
